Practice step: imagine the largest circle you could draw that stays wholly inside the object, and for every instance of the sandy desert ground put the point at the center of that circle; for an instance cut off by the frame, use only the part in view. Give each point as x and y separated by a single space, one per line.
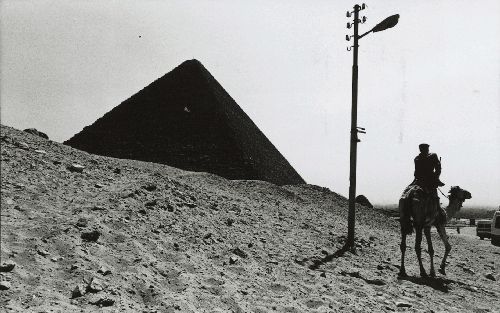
128 236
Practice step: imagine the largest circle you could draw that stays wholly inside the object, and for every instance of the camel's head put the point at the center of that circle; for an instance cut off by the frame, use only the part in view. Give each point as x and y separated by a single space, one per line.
459 194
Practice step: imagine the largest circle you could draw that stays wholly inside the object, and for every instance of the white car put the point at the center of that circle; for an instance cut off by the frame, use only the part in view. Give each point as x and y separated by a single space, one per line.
495 229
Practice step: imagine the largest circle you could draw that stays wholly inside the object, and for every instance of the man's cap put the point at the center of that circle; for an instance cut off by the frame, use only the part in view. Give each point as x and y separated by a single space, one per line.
423 145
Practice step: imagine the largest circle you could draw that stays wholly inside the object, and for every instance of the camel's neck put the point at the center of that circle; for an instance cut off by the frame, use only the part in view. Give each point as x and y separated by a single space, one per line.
453 207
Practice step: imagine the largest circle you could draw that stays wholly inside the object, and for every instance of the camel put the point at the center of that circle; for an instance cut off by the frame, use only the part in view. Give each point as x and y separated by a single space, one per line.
420 211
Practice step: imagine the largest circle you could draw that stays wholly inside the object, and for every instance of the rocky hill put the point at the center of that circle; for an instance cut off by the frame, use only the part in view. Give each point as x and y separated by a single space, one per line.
87 233
187 120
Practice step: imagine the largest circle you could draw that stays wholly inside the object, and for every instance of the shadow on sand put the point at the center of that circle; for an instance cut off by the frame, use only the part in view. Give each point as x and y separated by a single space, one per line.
317 263
437 283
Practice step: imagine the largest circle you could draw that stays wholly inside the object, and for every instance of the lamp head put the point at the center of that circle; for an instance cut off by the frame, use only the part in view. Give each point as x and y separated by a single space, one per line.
389 22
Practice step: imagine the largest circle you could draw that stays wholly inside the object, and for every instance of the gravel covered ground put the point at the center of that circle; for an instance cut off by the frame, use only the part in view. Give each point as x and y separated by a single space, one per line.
81 232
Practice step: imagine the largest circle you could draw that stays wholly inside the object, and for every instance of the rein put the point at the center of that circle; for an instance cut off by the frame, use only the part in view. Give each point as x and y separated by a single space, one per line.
443 193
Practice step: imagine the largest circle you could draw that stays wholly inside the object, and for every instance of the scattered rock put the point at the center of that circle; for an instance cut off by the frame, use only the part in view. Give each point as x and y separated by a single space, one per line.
94 286
472 288
36 132
104 271
98 185
98 208
41 151
17 207
91 236
469 270
77 292
229 222
149 187
127 194
5 138
77 168
376 281
355 274
490 276
314 304
19 186
7 266
240 253
190 204
361 199
22 145
208 239
42 252
300 261
233 260
214 282
5 285
401 304
104 301
82 222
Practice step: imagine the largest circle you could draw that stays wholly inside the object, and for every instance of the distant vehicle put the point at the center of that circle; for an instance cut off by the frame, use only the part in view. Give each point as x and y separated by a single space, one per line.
483 229
495 229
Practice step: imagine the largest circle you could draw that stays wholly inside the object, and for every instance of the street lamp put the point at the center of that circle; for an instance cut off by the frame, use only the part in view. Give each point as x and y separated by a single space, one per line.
389 22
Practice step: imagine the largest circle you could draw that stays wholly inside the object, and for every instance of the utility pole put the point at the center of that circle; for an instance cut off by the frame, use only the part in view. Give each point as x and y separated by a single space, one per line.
354 137
389 22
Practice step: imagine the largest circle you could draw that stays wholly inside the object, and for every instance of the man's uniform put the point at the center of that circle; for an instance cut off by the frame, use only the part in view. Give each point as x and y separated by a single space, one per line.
427 171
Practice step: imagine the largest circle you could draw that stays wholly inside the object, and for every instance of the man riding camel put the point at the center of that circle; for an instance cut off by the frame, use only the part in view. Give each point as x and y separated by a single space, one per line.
427 170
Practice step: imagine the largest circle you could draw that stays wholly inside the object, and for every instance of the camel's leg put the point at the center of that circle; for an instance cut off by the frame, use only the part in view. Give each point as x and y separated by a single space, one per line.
442 233
427 232
402 246
418 250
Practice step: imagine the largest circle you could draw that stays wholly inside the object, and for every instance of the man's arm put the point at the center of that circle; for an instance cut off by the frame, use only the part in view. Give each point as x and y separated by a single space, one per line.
437 164
415 171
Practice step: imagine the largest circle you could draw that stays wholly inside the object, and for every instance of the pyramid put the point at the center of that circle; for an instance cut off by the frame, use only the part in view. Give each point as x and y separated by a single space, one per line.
185 119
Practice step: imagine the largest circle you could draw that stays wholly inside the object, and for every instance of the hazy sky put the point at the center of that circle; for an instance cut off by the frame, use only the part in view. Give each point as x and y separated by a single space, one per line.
433 78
